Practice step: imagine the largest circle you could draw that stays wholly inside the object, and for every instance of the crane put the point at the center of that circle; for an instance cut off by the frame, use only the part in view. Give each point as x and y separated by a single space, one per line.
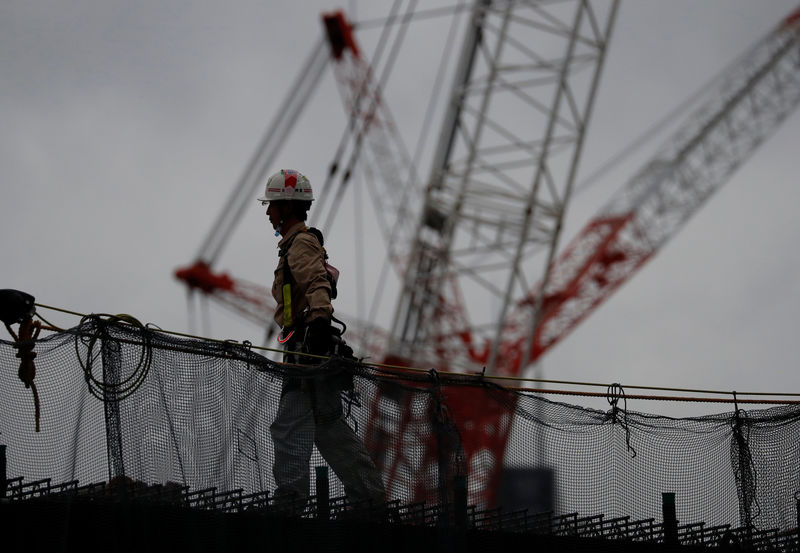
497 195
496 198
503 172
755 94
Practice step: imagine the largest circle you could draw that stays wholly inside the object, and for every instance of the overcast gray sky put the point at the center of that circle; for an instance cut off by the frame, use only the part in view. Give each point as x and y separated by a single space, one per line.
126 125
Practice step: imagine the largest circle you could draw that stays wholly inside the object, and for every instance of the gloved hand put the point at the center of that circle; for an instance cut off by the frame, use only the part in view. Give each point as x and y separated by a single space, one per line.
318 337
344 350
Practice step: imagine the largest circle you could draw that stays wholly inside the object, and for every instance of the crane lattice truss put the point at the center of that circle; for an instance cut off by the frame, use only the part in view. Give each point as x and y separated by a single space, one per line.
376 147
502 176
755 95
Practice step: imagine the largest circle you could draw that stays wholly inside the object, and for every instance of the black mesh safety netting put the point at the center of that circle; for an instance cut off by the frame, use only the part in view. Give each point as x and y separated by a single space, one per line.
120 399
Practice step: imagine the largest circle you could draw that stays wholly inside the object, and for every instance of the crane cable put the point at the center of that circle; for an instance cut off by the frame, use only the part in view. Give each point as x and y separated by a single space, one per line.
111 389
655 129
421 143
258 165
418 15
349 130
394 18
372 108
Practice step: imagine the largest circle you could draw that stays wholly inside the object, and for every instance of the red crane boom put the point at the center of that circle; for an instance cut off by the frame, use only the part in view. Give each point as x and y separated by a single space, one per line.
755 95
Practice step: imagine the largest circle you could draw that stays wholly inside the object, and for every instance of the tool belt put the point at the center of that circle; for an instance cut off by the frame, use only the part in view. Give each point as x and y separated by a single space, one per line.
293 340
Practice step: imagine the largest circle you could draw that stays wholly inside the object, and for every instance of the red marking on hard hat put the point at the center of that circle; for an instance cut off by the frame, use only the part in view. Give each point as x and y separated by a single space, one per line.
290 179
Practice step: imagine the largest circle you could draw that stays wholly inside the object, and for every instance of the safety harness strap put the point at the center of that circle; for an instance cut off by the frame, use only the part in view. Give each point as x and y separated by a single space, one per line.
331 272
288 312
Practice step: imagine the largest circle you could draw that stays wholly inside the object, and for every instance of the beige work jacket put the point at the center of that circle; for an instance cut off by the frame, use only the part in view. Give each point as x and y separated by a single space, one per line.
310 287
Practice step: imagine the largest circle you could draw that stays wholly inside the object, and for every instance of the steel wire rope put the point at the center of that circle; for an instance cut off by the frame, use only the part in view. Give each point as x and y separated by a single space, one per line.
399 369
334 165
353 129
228 218
257 166
438 83
349 131
657 128
421 14
101 389
385 72
640 140
358 227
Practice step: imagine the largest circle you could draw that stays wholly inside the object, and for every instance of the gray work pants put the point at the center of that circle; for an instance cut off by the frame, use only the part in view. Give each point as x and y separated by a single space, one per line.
311 414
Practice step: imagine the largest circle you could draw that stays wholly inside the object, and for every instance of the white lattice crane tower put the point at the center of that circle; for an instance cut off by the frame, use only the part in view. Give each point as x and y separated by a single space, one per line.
502 174
500 186
494 205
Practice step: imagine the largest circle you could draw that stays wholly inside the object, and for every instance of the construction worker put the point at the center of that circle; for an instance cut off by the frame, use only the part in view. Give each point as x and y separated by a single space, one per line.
310 409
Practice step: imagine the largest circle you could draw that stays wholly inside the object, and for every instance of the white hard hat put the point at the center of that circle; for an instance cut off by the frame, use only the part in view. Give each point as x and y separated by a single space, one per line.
287 184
